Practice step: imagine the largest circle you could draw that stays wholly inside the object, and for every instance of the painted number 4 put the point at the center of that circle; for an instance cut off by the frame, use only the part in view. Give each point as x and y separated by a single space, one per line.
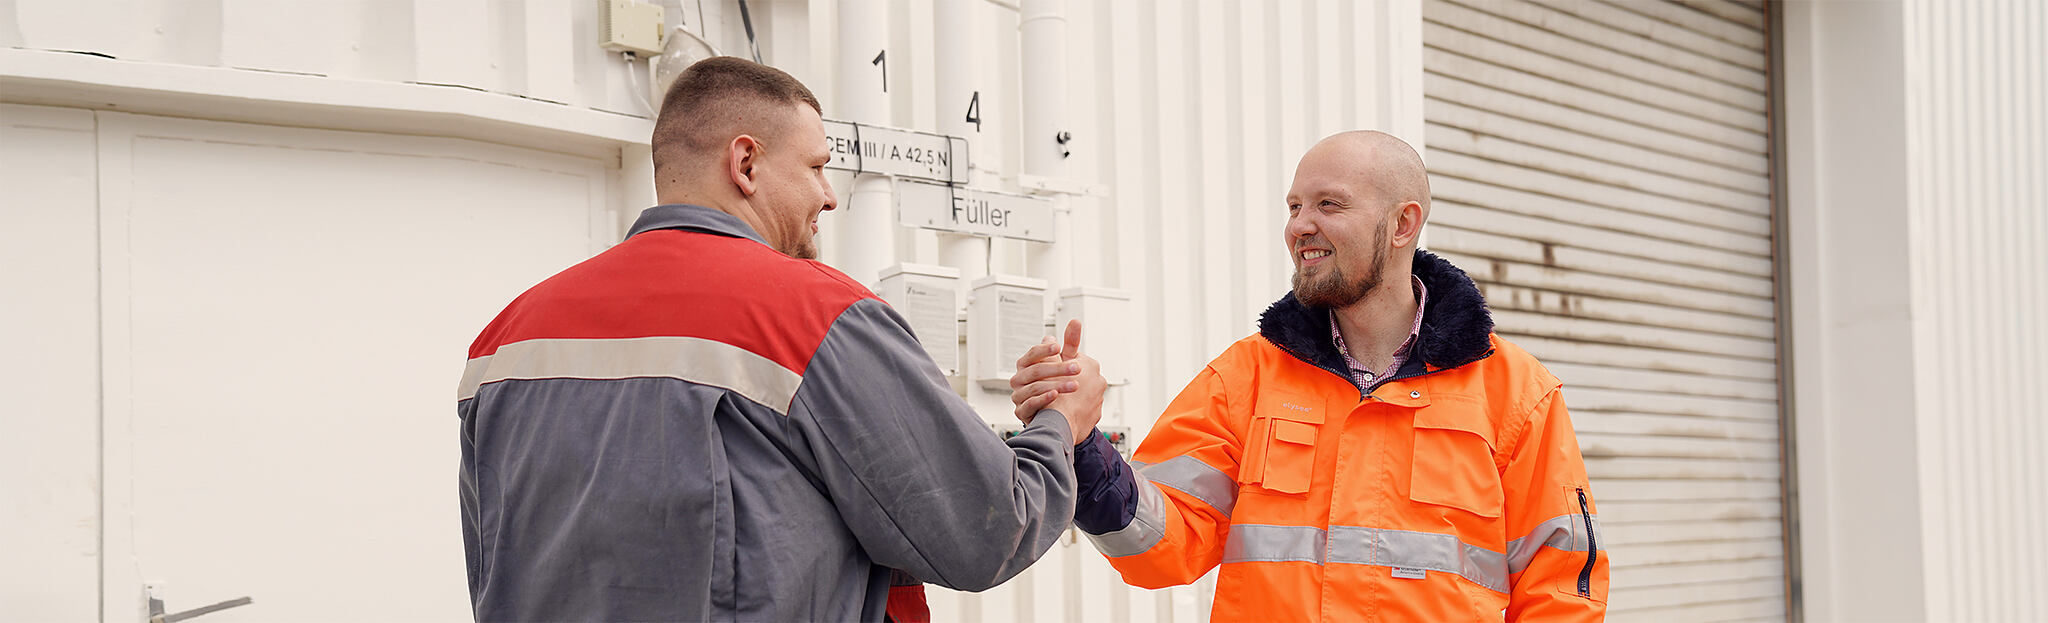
974 111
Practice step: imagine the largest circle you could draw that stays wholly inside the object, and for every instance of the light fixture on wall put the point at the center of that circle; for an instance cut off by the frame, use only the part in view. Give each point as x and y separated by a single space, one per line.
685 46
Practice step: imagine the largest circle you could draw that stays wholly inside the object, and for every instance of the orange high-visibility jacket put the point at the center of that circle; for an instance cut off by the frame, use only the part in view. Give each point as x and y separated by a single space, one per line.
1452 492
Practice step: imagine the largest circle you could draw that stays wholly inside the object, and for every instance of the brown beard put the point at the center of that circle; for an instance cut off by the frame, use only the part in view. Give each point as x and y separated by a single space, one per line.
1336 290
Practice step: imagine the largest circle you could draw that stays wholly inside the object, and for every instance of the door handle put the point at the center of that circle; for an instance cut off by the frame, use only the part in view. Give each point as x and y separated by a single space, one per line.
156 608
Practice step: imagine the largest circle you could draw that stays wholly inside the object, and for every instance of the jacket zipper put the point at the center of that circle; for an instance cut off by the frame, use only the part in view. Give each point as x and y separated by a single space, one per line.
1592 549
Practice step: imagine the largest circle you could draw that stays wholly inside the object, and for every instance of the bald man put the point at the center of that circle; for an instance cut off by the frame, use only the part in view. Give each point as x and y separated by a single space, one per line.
1375 452
704 423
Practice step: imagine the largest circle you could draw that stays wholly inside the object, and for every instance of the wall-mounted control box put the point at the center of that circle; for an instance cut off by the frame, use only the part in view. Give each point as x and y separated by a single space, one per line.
1005 317
925 296
1108 328
1119 436
631 26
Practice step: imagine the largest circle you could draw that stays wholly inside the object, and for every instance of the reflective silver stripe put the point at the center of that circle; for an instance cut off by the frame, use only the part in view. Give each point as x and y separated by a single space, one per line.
1419 550
1563 532
1264 543
1353 545
697 360
1146 528
1193 477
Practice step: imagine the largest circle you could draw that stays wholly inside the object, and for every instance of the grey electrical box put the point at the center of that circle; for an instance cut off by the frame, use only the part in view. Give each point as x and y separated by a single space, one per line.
631 26
1005 317
1106 327
1119 436
925 296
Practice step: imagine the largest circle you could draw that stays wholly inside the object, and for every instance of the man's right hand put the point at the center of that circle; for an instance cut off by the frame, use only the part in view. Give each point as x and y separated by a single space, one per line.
1059 377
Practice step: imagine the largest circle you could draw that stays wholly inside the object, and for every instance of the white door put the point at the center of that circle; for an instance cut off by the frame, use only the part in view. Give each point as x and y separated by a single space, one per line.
1603 170
261 377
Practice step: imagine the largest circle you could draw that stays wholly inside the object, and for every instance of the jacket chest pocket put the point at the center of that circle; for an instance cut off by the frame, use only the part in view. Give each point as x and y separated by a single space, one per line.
1281 453
1453 462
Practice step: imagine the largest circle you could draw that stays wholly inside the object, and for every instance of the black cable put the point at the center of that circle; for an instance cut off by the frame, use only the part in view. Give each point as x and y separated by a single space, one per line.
747 18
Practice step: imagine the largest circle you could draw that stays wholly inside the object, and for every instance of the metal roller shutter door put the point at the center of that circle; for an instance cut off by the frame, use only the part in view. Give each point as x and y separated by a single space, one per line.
1603 170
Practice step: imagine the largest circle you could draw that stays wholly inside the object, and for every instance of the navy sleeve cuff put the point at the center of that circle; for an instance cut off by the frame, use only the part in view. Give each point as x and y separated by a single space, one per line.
1108 495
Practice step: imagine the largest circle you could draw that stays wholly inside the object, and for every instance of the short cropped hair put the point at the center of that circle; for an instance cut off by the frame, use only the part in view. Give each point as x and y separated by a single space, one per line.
719 98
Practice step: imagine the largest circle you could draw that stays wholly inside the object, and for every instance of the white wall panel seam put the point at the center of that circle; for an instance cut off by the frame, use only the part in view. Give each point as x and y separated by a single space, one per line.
1161 354
1210 153
118 568
1948 461
1252 195
1228 212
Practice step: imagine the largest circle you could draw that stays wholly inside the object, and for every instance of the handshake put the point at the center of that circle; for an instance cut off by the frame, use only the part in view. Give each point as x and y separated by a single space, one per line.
1055 375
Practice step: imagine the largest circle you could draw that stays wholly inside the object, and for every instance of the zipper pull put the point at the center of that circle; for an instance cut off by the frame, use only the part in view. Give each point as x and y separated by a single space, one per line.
1592 548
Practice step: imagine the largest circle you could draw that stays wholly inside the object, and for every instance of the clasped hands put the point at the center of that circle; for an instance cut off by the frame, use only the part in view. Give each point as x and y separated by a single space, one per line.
1055 375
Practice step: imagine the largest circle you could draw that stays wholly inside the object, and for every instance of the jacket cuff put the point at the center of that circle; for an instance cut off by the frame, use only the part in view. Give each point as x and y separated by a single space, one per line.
1107 498
1053 419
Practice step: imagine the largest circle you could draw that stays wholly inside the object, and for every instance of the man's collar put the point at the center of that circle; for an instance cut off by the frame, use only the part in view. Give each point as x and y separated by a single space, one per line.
1456 326
693 218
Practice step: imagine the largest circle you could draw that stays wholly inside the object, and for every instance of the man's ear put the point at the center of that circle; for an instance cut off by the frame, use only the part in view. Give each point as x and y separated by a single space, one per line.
741 155
1407 224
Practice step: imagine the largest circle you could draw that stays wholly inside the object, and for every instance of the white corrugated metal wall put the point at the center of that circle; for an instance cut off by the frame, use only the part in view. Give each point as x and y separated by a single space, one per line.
1188 118
545 50
1914 142
1977 139
1603 169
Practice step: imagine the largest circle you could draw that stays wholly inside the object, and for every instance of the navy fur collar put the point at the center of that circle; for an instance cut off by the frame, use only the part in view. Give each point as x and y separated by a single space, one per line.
1455 325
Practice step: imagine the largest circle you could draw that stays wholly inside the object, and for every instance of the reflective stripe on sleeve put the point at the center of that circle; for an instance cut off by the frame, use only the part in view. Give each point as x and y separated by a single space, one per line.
1264 543
1193 477
1184 473
1353 545
1145 530
1563 532
697 360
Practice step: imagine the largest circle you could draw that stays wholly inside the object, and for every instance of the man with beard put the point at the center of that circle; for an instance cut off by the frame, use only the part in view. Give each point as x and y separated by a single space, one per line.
1375 452
703 423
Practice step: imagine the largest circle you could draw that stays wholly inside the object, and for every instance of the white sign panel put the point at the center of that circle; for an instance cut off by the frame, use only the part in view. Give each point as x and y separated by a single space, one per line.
970 211
904 153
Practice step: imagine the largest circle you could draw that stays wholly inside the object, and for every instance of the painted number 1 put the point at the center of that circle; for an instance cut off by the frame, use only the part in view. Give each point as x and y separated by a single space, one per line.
882 60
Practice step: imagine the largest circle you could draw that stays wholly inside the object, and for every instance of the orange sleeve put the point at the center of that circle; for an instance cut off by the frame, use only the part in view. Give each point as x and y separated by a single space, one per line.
1186 471
1557 562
